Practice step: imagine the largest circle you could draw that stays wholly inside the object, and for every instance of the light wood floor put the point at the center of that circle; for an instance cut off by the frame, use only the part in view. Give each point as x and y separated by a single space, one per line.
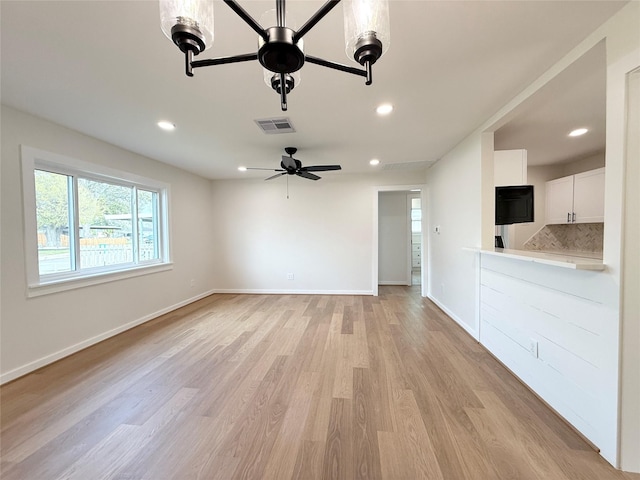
281 387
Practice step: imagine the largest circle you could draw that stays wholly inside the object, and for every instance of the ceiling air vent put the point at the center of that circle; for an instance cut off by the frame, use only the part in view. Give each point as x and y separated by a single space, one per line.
406 165
272 126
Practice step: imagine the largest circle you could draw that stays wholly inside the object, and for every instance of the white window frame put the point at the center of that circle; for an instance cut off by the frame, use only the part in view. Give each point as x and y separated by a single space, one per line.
34 159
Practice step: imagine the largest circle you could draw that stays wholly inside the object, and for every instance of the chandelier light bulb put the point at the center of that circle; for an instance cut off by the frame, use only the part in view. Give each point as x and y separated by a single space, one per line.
187 23
366 29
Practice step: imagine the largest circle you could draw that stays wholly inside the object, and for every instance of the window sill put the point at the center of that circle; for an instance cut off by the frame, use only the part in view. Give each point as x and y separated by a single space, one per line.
55 286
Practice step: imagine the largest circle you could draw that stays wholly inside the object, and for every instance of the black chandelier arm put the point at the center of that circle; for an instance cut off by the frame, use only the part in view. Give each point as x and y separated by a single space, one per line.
315 18
244 15
247 57
336 66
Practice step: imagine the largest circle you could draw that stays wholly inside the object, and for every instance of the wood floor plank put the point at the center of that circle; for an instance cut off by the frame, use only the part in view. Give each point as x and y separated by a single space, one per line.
420 449
309 461
393 461
283 456
338 454
279 387
365 438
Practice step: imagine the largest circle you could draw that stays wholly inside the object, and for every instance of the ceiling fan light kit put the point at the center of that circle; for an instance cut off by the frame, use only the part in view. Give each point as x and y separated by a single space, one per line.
189 24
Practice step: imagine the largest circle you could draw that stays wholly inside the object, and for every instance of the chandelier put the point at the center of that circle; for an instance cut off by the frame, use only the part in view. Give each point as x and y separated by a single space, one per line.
189 24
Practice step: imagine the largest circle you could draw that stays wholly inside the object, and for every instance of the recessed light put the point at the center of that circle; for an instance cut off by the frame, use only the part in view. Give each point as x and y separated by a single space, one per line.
384 109
578 131
242 169
167 125
375 161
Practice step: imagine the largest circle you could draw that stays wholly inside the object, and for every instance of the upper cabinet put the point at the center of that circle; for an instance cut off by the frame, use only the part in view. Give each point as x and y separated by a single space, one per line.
576 199
509 167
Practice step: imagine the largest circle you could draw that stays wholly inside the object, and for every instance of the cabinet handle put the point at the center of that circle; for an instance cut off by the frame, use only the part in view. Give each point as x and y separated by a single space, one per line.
573 217
568 217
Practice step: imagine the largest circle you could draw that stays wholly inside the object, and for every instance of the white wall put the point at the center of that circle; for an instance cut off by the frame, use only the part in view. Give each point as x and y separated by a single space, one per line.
453 205
630 401
585 164
39 330
393 235
323 233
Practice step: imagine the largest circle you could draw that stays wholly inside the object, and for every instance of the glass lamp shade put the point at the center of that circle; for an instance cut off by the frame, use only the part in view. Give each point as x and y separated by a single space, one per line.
270 19
363 20
195 14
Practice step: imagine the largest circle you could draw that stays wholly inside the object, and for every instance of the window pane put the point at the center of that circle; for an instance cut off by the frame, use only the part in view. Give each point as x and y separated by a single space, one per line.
415 203
416 214
52 217
148 225
104 212
416 227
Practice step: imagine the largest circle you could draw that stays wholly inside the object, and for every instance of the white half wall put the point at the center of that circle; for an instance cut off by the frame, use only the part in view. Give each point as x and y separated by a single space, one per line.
39 330
321 234
556 329
393 239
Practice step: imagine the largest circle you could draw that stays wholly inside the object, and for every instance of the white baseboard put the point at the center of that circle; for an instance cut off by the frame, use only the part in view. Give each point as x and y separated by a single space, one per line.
65 352
260 291
455 318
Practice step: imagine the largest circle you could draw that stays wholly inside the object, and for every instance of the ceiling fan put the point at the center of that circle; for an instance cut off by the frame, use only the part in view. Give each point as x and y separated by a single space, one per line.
292 166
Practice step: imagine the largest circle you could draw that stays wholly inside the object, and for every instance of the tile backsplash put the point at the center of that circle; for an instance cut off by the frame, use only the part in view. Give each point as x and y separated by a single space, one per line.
574 237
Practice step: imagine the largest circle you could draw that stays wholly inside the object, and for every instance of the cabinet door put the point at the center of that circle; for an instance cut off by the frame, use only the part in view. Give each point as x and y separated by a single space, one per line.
559 200
588 196
509 167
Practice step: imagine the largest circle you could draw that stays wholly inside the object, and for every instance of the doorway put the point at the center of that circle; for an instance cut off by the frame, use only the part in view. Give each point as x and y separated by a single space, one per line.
393 240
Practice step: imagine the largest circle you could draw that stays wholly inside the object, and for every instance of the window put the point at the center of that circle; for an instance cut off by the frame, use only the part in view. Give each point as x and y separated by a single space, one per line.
86 224
416 215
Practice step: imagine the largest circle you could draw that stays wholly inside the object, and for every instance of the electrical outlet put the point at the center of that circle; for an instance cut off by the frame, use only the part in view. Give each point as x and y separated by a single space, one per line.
533 347
289 276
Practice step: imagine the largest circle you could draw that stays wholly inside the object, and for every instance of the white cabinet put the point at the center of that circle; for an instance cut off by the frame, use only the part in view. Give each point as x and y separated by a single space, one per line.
559 200
588 196
509 167
576 199
415 255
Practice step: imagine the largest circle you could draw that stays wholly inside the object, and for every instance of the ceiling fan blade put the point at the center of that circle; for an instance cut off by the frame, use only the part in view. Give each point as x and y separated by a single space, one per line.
275 176
288 162
308 175
268 169
320 168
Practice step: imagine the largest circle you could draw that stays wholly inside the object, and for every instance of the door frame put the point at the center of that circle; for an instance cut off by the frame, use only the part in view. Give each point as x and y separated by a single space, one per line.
375 243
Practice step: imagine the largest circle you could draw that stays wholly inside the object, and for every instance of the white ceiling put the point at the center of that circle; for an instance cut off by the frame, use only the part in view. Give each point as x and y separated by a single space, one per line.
105 68
576 98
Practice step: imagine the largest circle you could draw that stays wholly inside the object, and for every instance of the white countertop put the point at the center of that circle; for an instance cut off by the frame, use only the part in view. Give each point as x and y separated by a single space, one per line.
555 259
